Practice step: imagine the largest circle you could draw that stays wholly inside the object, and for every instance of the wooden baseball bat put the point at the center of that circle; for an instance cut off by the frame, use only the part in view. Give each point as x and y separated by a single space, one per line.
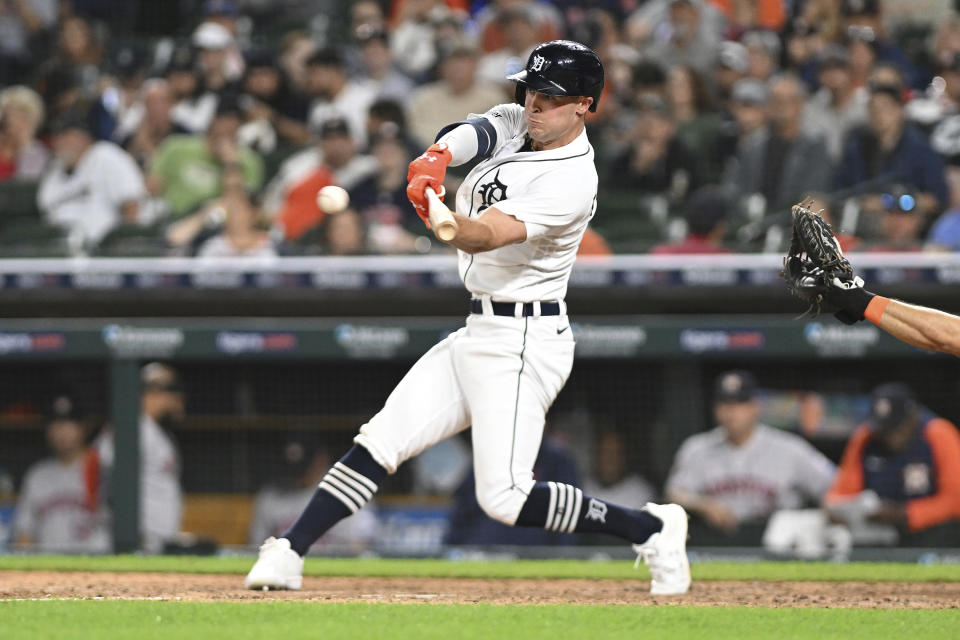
441 218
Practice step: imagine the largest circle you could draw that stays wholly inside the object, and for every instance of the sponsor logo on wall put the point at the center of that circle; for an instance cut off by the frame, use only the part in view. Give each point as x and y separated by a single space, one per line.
702 340
143 341
840 340
31 342
608 340
362 341
236 342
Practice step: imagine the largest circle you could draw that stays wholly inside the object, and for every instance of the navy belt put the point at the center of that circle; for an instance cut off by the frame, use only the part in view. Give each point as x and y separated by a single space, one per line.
509 308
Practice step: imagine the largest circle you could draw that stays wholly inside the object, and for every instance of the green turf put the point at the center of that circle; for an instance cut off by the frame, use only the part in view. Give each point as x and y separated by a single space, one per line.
292 620
854 571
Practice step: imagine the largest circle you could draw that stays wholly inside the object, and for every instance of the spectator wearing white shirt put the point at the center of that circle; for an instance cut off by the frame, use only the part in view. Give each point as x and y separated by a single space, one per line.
92 187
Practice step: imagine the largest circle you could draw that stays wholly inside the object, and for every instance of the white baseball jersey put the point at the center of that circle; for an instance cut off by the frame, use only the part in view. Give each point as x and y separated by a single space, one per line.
88 199
500 374
53 510
772 470
553 192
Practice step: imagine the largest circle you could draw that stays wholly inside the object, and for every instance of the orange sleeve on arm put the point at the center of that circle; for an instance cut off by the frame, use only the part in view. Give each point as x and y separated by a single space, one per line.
875 309
945 503
849 478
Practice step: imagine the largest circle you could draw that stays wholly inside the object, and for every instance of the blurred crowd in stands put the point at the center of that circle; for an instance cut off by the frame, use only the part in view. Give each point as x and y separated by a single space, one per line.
206 127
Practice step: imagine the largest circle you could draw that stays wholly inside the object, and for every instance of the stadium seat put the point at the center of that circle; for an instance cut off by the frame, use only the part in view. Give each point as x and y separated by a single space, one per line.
132 241
27 238
626 221
18 199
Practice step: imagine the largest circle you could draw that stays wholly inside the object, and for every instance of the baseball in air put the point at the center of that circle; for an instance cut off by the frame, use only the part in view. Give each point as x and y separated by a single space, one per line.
332 199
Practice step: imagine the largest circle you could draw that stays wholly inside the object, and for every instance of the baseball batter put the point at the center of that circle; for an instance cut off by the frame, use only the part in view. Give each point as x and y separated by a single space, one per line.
521 213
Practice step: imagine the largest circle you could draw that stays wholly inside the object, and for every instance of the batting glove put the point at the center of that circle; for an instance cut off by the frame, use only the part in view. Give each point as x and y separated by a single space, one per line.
427 170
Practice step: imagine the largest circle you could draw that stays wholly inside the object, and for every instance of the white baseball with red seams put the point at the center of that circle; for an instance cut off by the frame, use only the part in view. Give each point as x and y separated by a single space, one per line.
500 374
333 199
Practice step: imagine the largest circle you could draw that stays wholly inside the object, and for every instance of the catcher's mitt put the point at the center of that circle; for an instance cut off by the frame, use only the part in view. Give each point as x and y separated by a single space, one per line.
814 259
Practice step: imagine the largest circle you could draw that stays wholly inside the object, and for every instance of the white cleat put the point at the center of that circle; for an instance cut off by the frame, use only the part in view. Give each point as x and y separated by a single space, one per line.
665 552
278 567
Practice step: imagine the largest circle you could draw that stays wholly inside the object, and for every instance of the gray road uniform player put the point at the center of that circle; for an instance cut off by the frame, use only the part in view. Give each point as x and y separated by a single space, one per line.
522 211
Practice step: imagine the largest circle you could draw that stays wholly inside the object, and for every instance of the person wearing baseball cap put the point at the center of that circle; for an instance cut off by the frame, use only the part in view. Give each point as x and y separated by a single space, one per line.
93 186
735 476
908 458
60 508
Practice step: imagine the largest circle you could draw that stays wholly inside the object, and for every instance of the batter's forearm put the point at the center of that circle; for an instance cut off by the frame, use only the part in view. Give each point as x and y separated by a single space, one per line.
473 236
920 326
492 230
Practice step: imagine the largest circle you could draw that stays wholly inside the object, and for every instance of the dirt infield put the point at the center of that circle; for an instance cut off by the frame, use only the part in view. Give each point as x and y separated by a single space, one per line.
208 588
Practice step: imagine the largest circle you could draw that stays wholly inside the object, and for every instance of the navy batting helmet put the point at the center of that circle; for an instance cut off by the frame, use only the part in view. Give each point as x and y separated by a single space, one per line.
561 68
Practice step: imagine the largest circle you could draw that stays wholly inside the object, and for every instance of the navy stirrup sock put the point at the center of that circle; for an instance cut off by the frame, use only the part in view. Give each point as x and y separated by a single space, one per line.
348 485
562 507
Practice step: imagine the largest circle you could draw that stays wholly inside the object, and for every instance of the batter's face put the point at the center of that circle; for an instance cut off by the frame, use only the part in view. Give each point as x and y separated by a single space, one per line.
554 121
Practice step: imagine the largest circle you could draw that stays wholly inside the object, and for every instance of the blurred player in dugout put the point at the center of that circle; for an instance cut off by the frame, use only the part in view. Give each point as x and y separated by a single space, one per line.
900 472
60 507
161 499
734 477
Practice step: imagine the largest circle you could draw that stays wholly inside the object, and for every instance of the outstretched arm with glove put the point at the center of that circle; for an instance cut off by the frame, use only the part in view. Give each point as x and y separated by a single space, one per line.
817 272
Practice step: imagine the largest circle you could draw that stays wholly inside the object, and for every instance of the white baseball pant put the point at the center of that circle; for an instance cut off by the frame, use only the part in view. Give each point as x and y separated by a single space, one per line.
497 374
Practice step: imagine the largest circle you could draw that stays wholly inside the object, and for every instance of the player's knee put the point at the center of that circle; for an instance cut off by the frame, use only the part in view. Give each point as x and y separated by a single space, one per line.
502 506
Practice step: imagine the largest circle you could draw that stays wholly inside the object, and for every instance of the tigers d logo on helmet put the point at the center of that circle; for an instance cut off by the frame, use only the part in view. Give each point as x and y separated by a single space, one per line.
537 63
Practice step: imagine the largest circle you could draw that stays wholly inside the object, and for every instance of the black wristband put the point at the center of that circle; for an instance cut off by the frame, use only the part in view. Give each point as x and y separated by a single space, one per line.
852 302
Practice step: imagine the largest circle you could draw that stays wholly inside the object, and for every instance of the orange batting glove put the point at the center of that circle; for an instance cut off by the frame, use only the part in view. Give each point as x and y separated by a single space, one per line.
427 170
